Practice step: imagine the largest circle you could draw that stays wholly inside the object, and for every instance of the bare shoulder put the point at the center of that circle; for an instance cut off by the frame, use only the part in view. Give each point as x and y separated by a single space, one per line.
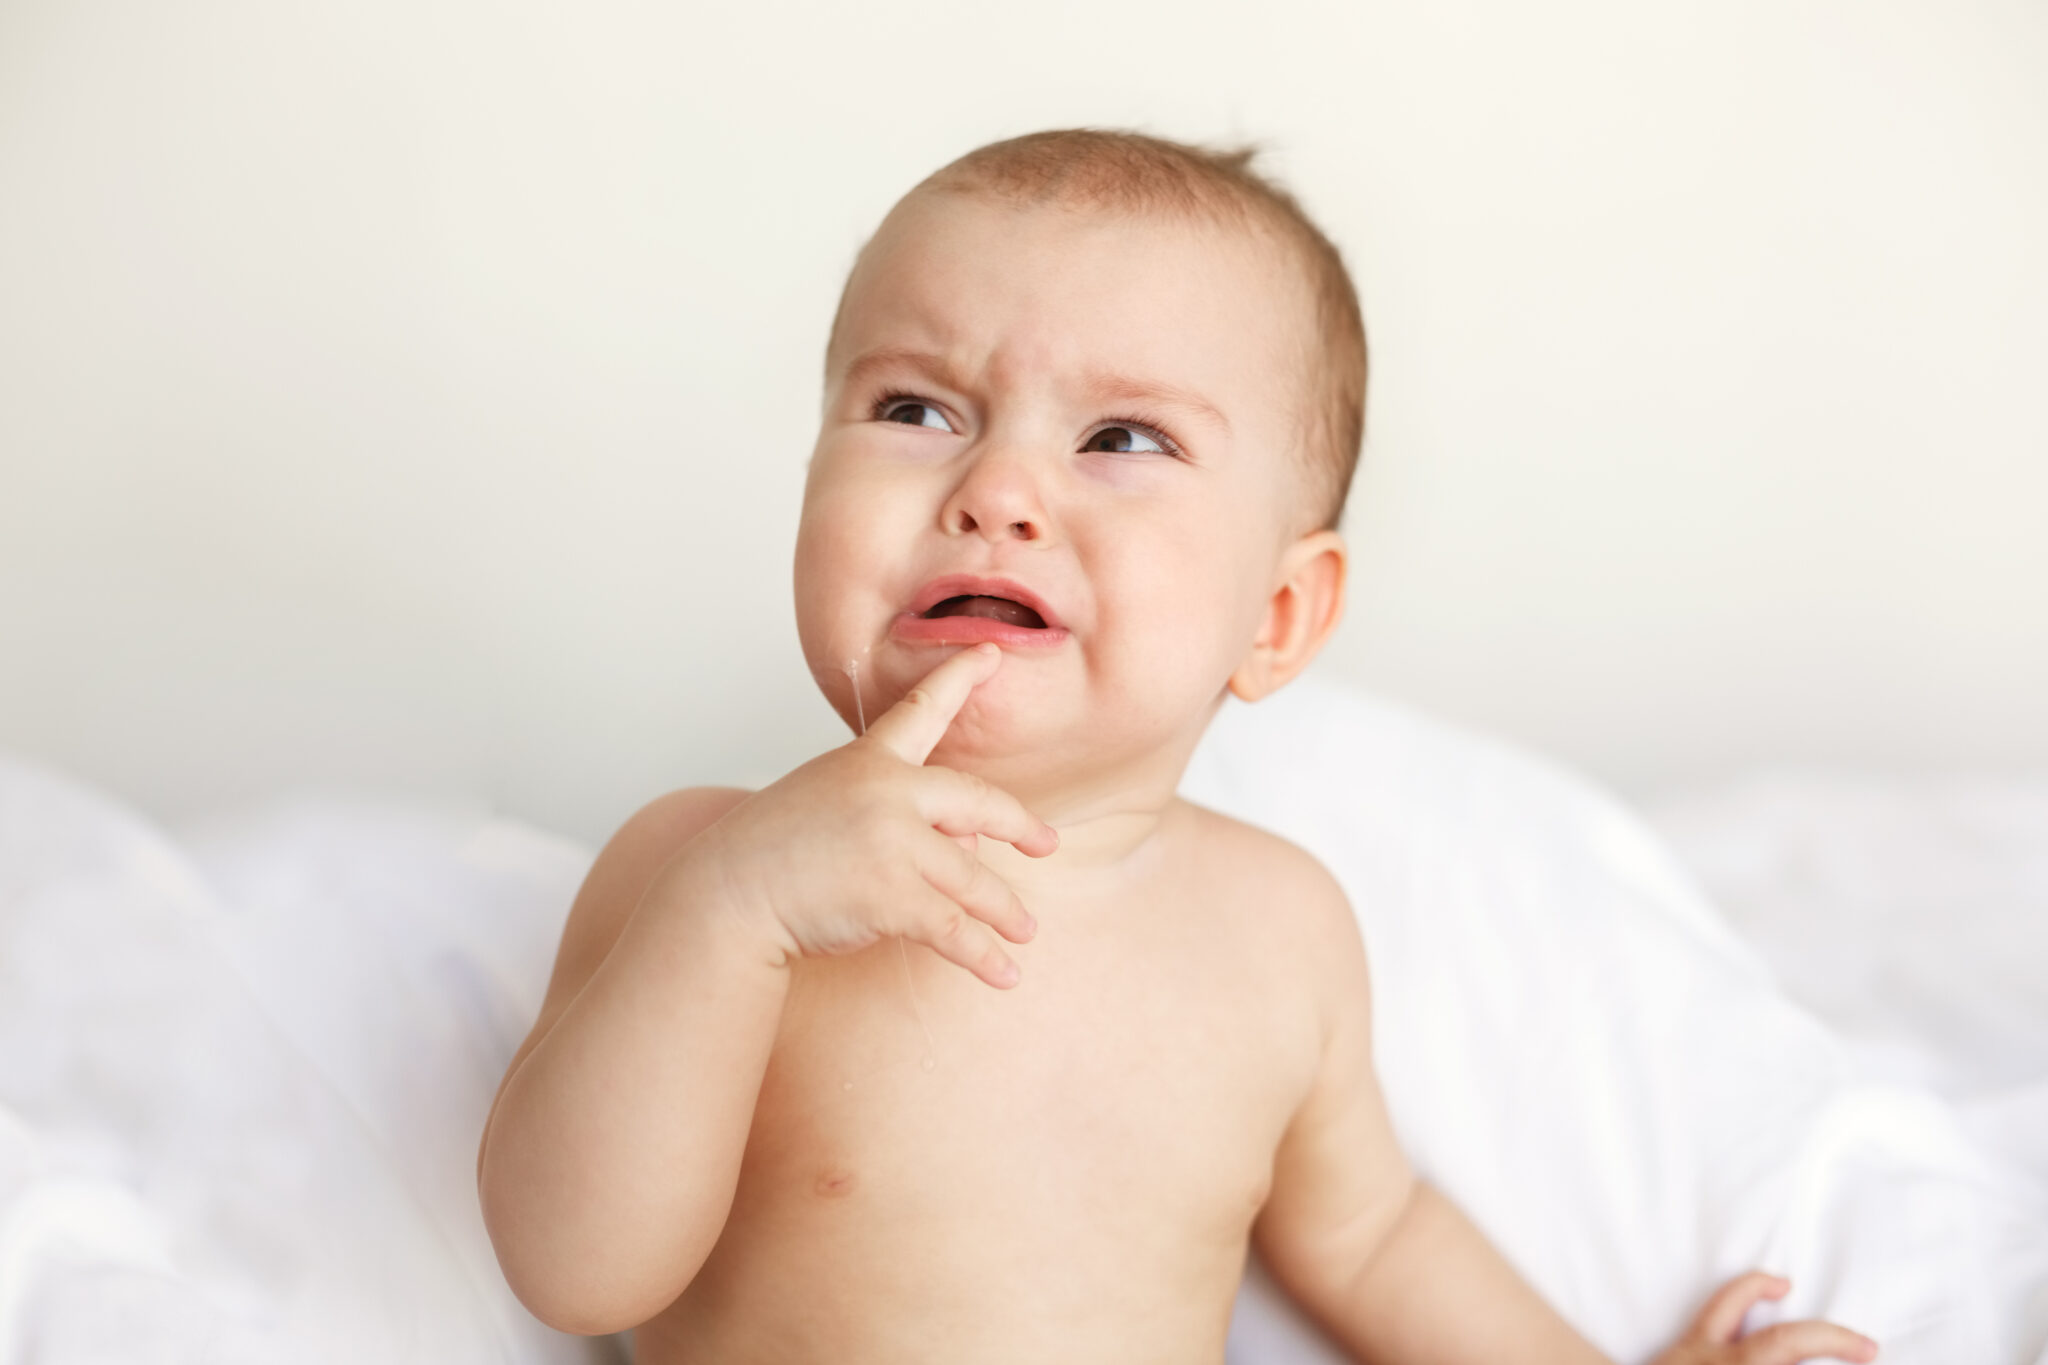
1287 878
1296 904
620 876
651 836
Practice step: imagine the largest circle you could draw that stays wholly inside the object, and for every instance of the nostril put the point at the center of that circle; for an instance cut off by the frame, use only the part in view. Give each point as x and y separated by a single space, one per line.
1022 528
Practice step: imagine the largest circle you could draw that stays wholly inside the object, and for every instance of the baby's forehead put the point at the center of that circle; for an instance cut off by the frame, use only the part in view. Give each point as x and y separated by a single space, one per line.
1050 232
1031 288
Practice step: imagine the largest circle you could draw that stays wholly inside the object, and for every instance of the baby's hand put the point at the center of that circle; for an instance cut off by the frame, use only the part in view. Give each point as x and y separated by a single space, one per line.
866 840
1711 1338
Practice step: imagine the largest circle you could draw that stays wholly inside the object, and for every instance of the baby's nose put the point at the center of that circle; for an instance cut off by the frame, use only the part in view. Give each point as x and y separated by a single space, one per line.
1027 529
999 500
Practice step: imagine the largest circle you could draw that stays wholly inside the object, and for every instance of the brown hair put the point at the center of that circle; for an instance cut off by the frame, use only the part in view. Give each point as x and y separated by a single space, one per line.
1121 171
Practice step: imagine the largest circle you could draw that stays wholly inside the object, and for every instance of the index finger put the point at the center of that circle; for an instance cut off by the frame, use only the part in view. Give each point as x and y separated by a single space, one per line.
913 727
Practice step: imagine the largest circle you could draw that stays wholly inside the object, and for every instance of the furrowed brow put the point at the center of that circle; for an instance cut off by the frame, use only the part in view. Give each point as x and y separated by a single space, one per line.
1102 385
884 359
1114 387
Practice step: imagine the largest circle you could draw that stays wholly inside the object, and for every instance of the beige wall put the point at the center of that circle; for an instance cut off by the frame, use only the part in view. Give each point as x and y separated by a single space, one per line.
417 395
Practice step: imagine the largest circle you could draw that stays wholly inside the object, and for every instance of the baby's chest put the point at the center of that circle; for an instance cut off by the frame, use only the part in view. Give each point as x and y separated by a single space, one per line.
904 1083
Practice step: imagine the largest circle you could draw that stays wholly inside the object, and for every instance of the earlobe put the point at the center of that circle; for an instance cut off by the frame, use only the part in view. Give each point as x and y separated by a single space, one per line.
1301 615
1248 683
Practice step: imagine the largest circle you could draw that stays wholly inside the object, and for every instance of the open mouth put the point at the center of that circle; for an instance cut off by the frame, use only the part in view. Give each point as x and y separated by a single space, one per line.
968 609
988 608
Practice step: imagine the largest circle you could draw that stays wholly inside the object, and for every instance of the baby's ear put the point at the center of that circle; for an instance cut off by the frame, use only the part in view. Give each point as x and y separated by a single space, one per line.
1304 609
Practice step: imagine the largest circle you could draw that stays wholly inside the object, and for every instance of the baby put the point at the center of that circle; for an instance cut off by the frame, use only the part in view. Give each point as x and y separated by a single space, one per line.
969 1041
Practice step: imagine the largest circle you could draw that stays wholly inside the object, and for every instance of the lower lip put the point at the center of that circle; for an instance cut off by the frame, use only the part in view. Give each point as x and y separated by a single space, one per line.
972 630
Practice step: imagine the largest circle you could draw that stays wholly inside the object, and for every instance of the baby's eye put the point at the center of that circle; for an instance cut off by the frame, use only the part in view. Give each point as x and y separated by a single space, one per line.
1119 440
912 412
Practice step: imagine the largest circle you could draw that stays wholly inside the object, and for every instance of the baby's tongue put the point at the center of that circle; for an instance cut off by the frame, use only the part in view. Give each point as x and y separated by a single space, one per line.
994 608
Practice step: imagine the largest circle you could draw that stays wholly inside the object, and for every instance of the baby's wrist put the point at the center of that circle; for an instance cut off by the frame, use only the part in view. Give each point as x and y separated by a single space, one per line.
705 885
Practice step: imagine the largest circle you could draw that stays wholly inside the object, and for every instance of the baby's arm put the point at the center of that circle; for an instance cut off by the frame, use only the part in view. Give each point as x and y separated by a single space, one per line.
1391 1267
610 1159
611 1154
1385 1262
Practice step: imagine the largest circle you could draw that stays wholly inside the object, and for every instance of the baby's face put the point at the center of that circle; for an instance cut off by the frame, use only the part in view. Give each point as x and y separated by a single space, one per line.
1089 418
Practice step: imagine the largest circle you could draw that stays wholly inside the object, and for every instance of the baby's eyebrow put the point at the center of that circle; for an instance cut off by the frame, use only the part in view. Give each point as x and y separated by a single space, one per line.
1103 385
886 358
1113 387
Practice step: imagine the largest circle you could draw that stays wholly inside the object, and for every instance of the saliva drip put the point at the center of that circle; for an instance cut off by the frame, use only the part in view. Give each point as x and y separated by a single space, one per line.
851 668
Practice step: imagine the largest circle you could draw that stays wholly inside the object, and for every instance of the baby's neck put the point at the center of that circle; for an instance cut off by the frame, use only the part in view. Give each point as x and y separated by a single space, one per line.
1108 835
1098 855
1114 822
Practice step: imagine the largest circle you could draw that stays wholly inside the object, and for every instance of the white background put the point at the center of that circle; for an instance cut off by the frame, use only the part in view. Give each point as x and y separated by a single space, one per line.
416 396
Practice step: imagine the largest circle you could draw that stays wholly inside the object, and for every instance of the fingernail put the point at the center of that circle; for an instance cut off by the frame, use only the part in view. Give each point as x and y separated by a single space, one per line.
985 647
1008 974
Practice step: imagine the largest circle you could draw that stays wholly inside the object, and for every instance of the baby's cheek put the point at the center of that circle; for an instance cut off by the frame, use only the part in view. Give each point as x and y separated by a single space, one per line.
849 574
1182 631
836 534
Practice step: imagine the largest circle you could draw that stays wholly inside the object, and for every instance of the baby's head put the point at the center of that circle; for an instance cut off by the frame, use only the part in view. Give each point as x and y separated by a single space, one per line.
1123 376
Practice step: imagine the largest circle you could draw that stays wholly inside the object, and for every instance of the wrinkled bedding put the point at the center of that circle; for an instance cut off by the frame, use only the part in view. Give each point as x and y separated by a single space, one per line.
1609 1072
244 1062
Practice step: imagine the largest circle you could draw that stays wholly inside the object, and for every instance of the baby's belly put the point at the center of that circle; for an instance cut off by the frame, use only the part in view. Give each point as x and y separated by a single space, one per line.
882 1290
1047 1187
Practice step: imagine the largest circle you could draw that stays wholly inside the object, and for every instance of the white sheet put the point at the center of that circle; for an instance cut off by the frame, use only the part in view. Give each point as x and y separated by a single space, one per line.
1912 916
1577 1048
242 1078
249 1128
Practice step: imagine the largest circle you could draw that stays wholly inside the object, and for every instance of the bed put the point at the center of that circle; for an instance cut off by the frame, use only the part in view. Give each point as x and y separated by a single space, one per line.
1795 1021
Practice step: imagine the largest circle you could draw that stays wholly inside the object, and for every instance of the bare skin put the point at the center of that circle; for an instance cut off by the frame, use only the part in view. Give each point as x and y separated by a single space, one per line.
969 1040
931 1172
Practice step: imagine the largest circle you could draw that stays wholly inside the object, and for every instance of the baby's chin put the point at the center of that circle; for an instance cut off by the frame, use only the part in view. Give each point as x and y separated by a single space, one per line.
988 728
965 746
1025 771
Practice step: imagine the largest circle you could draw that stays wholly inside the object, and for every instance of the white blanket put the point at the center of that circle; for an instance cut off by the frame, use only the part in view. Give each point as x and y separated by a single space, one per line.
243 1075
1580 1051
243 1068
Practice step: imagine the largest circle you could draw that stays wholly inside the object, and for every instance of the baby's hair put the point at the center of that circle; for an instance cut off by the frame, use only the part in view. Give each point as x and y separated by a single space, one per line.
1121 171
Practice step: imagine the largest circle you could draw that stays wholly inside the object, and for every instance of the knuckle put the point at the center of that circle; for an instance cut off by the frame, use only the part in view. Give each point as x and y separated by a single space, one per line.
909 920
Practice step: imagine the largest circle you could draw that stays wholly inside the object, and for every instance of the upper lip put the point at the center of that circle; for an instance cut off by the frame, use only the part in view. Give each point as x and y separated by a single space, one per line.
972 585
